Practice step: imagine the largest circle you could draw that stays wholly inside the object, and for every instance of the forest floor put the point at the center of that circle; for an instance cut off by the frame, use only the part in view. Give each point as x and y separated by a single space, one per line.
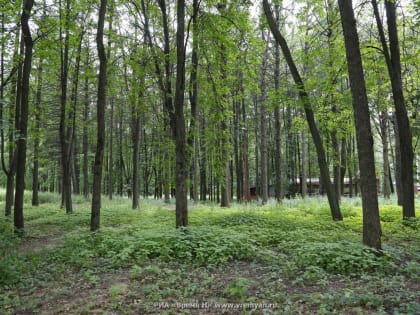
249 259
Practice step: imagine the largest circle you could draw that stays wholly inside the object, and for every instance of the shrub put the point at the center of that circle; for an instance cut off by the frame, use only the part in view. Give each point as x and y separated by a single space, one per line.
343 257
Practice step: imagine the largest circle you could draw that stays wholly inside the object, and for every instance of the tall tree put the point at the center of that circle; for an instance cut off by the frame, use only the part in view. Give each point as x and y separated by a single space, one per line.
37 114
371 223
15 78
323 167
193 96
393 62
180 137
277 122
100 112
65 133
263 121
23 116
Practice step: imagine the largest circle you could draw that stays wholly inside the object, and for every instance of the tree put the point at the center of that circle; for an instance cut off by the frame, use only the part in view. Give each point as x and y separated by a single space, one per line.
393 62
37 109
263 115
22 116
180 137
371 223
100 112
65 132
277 122
325 177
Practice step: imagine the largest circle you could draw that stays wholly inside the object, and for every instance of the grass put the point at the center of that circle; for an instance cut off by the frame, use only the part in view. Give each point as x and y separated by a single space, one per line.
248 259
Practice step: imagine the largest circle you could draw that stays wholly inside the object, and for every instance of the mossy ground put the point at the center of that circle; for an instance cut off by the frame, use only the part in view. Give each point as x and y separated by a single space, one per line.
249 259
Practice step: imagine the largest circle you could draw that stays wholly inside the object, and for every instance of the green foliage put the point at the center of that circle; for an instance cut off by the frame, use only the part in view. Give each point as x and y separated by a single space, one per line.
247 253
343 257
238 288
197 245
10 265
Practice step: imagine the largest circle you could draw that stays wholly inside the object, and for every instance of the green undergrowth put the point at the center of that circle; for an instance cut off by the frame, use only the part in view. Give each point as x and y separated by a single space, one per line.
295 241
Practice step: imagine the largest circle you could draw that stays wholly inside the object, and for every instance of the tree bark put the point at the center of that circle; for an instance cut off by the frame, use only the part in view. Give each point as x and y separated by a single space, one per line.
371 223
65 140
101 105
23 117
263 124
398 165
384 122
324 172
85 140
304 172
180 134
277 121
37 115
16 80
193 96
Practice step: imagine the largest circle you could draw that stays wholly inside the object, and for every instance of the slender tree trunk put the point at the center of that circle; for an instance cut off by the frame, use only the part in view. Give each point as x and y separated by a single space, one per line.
225 141
64 132
203 161
110 183
245 161
37 114
193 96
10 171
263 124
111 151
71 132
23 117
384 121
277 126
135 157
135 134
343 164
277 121
85 140
101 105
371 223
304 172
398 165
180 139
336 162
324 172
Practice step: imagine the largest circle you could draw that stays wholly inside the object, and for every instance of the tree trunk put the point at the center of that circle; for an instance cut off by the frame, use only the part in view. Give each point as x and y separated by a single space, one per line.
85 140
193 96
22 117
135 136
371 223
343 164
245 161
37 115
393 61
384 121
13 116
71 132
135 157
336 163
277 121
398 166
180 134
65 141
323 167
304 172
101 105
203 161
263 124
